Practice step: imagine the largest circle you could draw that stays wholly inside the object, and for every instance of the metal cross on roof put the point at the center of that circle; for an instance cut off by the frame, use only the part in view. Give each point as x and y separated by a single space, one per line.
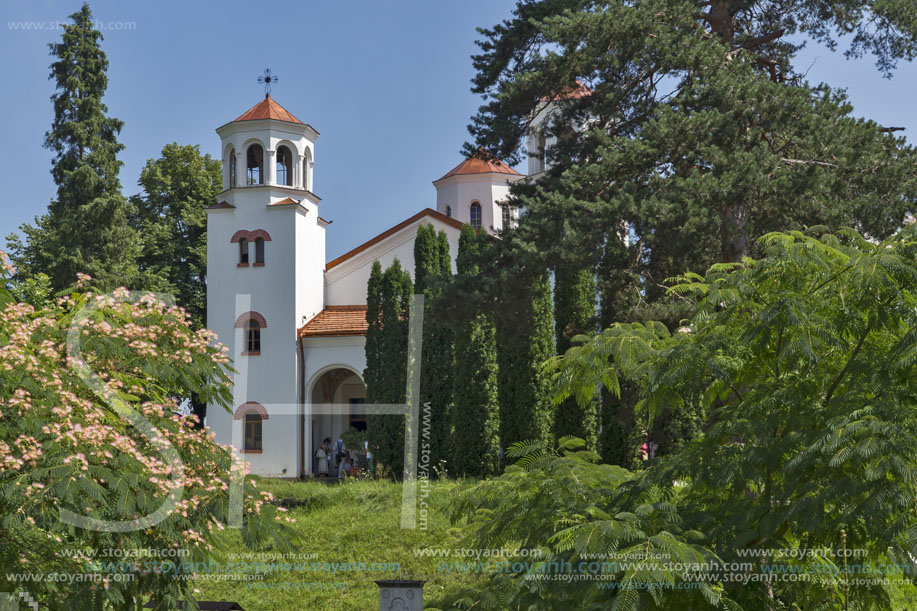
267 79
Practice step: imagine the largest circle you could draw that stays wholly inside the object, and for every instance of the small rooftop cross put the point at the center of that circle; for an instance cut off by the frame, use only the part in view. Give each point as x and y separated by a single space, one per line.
267 79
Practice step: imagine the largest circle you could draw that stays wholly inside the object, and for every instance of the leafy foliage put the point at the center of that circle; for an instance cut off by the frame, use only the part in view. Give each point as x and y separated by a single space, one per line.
614 553
68 443
574 314
678 132
804 360
169 217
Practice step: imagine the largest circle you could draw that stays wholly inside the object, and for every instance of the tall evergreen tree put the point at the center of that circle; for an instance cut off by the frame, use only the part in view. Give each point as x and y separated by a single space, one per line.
387 308
433 267
701 137
574 314
86 227
524 342
476 413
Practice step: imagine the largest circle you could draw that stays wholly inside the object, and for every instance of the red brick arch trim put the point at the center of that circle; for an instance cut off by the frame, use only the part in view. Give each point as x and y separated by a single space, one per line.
250 406
251 236
244 318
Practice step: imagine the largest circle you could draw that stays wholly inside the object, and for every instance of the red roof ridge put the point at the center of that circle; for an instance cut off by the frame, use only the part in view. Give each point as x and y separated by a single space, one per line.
224 205
336 321
268 109
574 92
476 165
286 201
425 212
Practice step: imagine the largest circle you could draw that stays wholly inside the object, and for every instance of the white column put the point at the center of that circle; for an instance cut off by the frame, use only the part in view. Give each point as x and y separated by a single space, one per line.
299 179
308 182
241 169
270 167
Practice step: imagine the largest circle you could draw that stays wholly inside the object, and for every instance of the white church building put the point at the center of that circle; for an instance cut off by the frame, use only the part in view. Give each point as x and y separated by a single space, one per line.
294 322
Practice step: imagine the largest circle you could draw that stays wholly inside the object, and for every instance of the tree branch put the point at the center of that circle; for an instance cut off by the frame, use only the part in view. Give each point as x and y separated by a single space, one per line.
761 40
809 162
843 372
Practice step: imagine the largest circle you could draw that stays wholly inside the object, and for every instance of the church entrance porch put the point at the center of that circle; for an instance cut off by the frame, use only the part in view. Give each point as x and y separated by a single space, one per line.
338 400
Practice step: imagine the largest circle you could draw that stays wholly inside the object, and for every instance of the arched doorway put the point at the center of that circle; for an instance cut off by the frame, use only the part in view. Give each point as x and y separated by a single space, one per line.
338 399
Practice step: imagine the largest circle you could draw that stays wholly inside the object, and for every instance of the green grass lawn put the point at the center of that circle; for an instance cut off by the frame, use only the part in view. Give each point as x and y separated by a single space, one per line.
353 522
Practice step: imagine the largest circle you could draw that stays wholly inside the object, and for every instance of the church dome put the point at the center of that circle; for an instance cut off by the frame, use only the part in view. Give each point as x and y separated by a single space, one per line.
268 109
474 165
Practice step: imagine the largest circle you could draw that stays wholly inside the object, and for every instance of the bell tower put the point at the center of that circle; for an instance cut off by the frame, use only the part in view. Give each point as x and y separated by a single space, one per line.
475 191
265 275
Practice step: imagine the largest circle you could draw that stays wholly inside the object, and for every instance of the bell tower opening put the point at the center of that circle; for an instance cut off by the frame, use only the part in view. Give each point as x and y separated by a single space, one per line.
255 165
284 166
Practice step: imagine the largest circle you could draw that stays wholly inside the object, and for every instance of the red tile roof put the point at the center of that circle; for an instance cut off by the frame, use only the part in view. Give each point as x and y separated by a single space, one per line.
425 212
268 109
579 90
286 201
337 321
220 206
474 165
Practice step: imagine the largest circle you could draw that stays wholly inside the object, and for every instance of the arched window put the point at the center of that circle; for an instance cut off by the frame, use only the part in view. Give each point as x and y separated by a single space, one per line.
284 166
252 432
255 164
507 217
243 252
259 251
252 338
449 211
476 215
232 169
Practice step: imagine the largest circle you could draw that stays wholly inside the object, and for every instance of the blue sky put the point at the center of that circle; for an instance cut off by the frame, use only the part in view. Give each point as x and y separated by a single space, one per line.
386 83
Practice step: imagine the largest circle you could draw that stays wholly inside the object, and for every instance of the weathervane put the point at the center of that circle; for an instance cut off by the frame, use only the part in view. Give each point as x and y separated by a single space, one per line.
267 79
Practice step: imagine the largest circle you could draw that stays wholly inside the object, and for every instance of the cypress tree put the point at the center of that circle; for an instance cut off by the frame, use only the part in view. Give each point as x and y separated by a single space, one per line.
476 413
373 375
86 227
387 308
445 256
524 342
574 312
432 266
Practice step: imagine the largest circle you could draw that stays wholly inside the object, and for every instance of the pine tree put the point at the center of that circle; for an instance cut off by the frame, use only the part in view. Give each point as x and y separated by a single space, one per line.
433 267
86 227
475 414
388 303
574 314
673 178
684 176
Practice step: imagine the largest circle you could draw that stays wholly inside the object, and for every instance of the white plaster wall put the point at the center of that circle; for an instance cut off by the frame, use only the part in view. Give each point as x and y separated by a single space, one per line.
345 284
322 354
487 189
310 263
271 377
